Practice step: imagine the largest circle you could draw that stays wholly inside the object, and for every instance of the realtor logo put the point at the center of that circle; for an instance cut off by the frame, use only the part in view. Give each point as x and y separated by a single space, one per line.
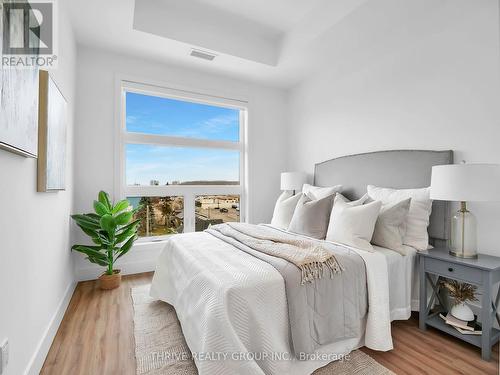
27 28
28 33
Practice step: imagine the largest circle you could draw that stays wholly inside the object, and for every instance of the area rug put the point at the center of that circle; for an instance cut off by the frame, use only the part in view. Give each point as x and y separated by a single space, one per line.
160 347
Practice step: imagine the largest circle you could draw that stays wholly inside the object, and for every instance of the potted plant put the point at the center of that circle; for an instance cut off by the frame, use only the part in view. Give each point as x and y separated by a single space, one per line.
461 293
113 233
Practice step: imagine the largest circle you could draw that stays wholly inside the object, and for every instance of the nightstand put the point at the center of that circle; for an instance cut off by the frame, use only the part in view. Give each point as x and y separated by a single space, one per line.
483 272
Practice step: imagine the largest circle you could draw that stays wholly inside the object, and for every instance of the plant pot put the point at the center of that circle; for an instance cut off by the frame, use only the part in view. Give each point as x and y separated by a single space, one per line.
108 282
463 312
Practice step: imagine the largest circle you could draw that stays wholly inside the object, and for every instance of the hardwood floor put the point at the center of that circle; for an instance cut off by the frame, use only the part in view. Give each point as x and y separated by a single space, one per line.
96 337
432 352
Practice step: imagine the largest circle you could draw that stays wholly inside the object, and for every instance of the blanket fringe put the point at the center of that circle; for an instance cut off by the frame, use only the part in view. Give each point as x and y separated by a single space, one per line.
314 270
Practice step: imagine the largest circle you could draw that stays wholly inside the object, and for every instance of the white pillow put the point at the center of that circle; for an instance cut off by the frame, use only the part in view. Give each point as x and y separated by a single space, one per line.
390 226
417 219
318 192
357 202
311 216
353 225
284 208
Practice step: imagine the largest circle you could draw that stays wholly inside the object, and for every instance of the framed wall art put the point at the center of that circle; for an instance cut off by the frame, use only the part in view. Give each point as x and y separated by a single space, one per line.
52 119
18 100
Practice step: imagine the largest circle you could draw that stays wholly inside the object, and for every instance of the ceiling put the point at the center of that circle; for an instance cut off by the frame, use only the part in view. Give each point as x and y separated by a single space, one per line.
282 15
275 42
201 24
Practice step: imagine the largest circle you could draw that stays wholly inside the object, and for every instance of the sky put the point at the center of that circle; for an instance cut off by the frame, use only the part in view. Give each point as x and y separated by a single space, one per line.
155 115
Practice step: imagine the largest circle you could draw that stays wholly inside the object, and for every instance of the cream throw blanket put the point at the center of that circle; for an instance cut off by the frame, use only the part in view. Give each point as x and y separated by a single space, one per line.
307 255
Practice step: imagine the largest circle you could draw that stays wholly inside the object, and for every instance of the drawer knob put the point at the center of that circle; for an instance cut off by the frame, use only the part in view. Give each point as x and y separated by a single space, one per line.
450 269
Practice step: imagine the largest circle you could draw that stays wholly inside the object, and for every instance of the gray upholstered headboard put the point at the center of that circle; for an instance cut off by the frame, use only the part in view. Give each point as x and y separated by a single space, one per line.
398 169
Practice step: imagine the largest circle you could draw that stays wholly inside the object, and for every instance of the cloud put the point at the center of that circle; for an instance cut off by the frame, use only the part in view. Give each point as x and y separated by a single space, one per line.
131 119
219 123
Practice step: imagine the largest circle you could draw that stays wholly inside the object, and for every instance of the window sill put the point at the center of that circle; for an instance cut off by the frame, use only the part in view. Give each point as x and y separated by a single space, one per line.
150 245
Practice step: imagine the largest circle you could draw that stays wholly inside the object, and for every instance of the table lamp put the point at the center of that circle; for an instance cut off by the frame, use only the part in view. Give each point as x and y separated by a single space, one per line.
465 183
293 181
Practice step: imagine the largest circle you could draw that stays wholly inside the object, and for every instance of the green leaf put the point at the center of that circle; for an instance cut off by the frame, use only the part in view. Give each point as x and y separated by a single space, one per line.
104 237
89 232
97 261
108 224
124 235
86 218
86 221
103 198
126 247
83 226
91 251
97 240
93 217
134 223
100 208
120 206
97 248
123 218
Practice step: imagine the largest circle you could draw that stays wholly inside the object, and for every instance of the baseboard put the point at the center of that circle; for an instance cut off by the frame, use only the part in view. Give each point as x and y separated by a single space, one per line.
36 362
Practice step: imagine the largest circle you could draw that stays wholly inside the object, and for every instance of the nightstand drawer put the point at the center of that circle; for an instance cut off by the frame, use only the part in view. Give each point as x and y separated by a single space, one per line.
454 271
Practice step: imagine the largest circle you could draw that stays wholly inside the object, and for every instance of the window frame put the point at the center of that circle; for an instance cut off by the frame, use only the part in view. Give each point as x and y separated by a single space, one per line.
188 192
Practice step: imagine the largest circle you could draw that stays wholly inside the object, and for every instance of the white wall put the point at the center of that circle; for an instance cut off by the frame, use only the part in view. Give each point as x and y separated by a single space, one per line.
95 128
36 267
420 75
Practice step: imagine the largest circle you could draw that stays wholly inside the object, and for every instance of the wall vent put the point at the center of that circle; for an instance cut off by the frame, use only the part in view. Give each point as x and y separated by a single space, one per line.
202 54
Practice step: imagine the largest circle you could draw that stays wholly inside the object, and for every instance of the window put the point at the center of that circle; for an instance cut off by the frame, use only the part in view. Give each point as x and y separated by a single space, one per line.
164 116
165 165
159 216
181 159
216 209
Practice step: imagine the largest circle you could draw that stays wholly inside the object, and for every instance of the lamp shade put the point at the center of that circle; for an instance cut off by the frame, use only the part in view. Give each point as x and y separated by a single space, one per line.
466 182
293 180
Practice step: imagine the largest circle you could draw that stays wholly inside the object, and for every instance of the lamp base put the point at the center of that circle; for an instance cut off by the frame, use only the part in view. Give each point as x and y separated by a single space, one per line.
462 255
463 241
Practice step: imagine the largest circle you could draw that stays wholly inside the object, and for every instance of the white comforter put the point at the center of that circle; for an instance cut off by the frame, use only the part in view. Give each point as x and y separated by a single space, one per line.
232 306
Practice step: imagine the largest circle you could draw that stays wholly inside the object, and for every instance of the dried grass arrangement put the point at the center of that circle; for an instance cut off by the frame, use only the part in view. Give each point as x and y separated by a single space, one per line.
460 292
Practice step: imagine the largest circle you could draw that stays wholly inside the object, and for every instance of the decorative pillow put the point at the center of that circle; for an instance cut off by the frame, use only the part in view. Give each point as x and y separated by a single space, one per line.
357 202
284 208
353 225
311 216
390 226
417 219
318 192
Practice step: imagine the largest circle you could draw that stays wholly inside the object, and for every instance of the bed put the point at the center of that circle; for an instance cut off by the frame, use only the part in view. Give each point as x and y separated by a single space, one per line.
239 313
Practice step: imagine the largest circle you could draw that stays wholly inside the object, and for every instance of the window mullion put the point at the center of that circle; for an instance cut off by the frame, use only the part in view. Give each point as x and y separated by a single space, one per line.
189 214
139 138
